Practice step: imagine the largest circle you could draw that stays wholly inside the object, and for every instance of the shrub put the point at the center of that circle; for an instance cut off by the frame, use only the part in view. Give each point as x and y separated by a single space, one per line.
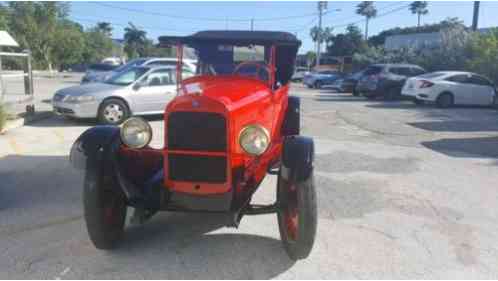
483 53
3 117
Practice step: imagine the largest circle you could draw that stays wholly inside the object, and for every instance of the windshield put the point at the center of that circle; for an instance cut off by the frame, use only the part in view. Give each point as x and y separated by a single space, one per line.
130 64
127 77
249 61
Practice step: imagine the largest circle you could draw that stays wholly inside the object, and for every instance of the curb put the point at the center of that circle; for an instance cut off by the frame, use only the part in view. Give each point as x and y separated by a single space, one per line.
24 120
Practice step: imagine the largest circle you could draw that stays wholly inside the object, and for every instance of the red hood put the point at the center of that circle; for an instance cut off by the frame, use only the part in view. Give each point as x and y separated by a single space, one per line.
231 90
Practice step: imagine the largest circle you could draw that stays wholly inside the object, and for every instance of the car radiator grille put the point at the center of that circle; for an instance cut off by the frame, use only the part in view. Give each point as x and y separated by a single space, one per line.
197 168
201 132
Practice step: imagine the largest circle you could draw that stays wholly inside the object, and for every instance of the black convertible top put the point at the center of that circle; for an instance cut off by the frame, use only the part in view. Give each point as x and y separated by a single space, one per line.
205 43
234 37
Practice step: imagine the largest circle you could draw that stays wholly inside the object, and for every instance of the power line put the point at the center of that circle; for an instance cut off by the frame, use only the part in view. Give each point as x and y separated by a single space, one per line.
121 24
201 18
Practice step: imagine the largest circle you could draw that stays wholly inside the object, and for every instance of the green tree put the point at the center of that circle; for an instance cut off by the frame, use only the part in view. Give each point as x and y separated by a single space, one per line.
34 25
419 8
135 41
105 28
368 10
346 44
4 18
483 51
97 46
70 45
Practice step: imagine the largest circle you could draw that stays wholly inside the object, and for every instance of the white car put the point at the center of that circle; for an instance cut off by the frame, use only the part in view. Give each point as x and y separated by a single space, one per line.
448 88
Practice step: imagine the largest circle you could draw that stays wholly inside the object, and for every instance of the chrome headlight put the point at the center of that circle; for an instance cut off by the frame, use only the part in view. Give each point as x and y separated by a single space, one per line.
78 99
136 132
254 139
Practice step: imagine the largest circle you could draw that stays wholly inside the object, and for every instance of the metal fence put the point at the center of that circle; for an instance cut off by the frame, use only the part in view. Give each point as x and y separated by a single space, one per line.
18 96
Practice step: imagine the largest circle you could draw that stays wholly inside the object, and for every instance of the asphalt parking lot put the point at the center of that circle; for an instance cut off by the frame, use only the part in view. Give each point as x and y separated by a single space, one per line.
404 191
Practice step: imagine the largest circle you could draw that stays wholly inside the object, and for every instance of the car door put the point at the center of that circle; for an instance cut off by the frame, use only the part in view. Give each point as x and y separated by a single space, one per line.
154 91
458 86
482 90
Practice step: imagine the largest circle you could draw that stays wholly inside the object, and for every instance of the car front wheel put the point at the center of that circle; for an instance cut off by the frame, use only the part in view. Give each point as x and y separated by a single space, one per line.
418 102
104 209
113 112
297 217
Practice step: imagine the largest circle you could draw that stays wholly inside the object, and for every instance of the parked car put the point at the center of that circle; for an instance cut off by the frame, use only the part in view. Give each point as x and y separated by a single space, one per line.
386 80
101 76
96 70
447 88
321 78
140 90
349 83
227 131
299 74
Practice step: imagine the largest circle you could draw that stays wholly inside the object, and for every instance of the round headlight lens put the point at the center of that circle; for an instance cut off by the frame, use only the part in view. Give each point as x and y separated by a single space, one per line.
254 139
136 132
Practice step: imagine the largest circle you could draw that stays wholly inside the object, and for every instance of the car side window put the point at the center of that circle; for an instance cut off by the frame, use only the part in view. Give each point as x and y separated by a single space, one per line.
400 71
162 63
416 71
160 77
460 78
477 80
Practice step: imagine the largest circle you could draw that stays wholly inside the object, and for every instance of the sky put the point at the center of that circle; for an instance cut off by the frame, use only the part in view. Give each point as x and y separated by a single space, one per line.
183 18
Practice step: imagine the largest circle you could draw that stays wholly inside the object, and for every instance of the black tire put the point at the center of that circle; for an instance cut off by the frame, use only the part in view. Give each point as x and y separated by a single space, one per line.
104 209
298 244
122 112
355 93
317 85
418 102
445 100
391 94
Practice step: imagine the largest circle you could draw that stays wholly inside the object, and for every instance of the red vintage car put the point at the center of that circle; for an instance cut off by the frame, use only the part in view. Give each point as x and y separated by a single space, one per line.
229 127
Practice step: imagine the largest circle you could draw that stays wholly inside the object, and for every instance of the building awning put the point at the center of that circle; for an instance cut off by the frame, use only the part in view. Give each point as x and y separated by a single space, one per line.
7 40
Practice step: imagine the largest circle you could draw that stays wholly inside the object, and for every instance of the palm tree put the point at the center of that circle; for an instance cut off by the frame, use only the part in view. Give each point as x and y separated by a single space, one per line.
135 40
105 28
366 9
419 8
320 35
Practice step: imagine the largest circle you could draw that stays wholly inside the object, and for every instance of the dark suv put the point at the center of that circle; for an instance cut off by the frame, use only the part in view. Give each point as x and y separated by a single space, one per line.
386 80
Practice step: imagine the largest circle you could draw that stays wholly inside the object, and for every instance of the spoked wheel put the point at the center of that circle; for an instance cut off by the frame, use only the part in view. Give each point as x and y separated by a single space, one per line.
297 217
104 208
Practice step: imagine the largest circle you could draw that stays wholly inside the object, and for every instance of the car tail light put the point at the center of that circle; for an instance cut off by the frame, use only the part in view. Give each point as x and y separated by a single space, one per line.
425 84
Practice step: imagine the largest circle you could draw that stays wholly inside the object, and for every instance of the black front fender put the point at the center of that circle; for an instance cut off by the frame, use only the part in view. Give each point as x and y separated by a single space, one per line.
297 158
94 146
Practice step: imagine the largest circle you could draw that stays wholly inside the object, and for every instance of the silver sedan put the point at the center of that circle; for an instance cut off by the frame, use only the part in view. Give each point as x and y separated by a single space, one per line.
137 91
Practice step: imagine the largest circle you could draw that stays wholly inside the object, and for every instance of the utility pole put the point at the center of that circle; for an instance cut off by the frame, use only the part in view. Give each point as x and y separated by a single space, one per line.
475 19
322 6
252 24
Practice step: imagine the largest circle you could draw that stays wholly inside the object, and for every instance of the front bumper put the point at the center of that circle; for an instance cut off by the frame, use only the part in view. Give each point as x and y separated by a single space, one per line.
78 110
